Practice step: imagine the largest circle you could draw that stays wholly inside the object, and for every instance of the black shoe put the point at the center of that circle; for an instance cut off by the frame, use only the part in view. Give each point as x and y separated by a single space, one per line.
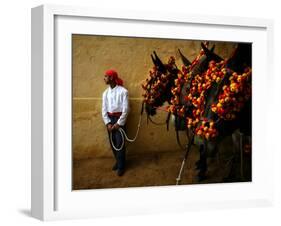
114 167
120 172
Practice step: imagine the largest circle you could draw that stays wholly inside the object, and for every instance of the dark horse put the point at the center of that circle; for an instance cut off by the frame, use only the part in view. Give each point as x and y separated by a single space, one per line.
160 86
166 77
227 103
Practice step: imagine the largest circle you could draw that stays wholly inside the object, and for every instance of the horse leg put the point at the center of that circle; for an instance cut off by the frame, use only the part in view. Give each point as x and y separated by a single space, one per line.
189 135
241 156
188 147
234 160
199 162
202 166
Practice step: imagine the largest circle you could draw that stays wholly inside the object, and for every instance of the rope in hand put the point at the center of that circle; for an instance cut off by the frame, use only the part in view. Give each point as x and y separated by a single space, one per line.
124 136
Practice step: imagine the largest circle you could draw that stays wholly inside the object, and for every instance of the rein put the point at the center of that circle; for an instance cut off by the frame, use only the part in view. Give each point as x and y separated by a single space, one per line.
159 123
155 123
178 179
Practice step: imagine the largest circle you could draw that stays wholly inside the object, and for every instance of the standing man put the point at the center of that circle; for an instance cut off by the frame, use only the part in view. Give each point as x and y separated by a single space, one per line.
115 108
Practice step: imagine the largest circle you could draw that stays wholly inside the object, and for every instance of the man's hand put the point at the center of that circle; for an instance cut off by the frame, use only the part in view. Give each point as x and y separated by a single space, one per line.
109 127
115 126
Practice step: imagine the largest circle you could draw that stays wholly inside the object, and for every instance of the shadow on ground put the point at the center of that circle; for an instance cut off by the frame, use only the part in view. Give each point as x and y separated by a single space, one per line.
155 169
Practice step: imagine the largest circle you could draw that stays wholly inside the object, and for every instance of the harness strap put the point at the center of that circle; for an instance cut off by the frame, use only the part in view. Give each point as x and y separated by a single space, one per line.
177 133
168 120
156 123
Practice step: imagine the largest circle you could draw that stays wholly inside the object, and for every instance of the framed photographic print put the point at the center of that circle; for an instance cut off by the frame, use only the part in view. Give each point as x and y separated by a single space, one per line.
137 113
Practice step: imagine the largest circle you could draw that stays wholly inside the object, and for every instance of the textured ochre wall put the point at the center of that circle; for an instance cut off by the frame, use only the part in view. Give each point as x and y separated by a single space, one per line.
92 55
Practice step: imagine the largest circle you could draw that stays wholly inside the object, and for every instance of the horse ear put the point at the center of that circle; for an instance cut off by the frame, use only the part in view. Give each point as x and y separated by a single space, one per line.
206 50
185 61
245 53
159 63
213 48
157 59
153 60
211 55
241 57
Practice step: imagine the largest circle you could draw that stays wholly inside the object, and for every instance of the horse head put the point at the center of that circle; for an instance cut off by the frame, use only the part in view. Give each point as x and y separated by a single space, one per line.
228 95
159 83
241 57
188 87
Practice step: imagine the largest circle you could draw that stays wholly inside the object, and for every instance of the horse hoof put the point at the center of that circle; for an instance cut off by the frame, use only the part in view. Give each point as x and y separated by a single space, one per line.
201 176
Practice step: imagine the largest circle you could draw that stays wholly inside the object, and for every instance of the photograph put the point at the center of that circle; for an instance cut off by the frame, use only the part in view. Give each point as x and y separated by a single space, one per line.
152 112
159 112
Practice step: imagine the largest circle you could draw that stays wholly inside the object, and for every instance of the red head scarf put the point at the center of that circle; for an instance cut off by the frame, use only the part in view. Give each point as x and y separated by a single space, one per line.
114 75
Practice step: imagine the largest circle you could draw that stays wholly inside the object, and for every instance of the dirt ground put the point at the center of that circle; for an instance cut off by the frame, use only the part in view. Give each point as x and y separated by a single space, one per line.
157 170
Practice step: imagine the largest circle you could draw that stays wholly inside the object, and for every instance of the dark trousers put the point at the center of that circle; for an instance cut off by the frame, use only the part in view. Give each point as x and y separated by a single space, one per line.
120 156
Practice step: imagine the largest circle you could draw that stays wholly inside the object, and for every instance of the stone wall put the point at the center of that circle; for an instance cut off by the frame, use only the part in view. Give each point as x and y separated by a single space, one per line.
92 55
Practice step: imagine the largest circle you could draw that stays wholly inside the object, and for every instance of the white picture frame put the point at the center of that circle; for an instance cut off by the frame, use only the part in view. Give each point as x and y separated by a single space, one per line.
52 197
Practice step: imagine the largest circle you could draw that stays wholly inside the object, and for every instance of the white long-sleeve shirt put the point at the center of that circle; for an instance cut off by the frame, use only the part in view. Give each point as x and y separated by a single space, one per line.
115 100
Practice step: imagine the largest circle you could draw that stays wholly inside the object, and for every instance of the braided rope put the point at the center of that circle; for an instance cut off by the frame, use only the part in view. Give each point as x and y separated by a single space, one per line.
125 137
